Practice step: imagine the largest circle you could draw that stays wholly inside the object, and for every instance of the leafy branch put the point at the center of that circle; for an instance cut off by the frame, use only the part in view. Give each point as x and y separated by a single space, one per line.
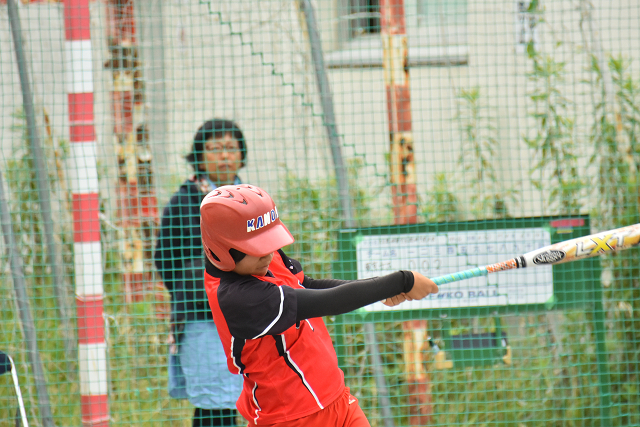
479 144
554 138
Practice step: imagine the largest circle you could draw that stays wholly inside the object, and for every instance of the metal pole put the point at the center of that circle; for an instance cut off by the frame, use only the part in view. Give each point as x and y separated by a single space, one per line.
378 373
604 379
403 187
331 127
151 46
329 119
396 79
28 328
152 53
54 255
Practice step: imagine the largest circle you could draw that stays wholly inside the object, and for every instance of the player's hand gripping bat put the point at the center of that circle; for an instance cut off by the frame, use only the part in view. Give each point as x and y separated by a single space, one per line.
558 253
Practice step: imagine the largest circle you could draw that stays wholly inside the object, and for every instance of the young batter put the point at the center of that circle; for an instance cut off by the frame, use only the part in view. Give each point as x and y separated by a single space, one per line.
269 314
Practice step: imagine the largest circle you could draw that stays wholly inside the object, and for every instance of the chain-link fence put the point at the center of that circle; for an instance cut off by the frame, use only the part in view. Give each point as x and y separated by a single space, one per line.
425 135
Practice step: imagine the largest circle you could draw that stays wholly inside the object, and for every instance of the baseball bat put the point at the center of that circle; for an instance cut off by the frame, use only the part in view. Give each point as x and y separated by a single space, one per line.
558 253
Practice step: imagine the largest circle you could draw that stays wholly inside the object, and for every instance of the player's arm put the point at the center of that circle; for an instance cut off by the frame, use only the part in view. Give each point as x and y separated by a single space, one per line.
310 283
254 308
346 296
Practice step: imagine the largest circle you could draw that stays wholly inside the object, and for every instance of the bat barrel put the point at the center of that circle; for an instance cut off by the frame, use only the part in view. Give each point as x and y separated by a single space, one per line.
461 275
569 250
585 247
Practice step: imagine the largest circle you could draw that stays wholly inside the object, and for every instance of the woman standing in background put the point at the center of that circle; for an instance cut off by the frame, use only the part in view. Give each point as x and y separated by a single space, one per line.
197 363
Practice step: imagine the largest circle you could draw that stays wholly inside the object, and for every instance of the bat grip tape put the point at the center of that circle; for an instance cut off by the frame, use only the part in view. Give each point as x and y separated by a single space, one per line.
461 275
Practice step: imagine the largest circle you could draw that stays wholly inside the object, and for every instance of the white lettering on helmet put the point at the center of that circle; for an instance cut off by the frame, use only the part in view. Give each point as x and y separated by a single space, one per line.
262 221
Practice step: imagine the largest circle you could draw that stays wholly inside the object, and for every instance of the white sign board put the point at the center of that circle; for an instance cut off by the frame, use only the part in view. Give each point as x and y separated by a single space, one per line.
437 254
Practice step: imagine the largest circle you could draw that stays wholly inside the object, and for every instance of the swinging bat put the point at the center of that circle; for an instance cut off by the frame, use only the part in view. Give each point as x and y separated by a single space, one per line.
558 253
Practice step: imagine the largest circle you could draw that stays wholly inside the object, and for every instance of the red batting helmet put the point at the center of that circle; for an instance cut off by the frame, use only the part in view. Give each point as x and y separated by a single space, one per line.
242 217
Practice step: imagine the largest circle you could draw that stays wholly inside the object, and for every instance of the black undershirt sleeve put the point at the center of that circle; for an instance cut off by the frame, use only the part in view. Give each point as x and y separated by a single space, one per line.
310 283
347 296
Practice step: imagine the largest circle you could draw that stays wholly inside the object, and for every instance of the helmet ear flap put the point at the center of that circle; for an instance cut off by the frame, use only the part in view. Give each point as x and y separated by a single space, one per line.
219 257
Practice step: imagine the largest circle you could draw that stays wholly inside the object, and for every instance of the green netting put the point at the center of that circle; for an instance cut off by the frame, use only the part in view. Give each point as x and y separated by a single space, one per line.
499 127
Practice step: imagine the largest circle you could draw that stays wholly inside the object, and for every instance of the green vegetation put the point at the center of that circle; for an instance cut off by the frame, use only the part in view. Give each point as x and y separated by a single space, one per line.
312 213
487 194
615 136
553 138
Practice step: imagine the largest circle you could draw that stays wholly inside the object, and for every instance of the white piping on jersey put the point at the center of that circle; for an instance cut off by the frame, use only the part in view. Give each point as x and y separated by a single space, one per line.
255 401
310 325
233 356
299 371
277 317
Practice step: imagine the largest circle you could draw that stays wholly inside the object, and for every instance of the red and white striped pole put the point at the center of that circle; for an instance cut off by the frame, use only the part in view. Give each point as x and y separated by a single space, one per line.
83 179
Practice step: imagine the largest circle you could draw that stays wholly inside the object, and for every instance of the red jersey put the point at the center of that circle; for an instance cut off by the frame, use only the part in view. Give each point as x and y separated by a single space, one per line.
290 369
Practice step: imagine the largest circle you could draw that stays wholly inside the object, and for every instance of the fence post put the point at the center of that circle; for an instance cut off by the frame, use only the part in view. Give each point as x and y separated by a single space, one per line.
395 63
54 254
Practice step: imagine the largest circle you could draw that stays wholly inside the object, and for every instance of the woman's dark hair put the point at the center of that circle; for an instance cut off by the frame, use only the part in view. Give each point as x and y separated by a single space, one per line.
215 129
